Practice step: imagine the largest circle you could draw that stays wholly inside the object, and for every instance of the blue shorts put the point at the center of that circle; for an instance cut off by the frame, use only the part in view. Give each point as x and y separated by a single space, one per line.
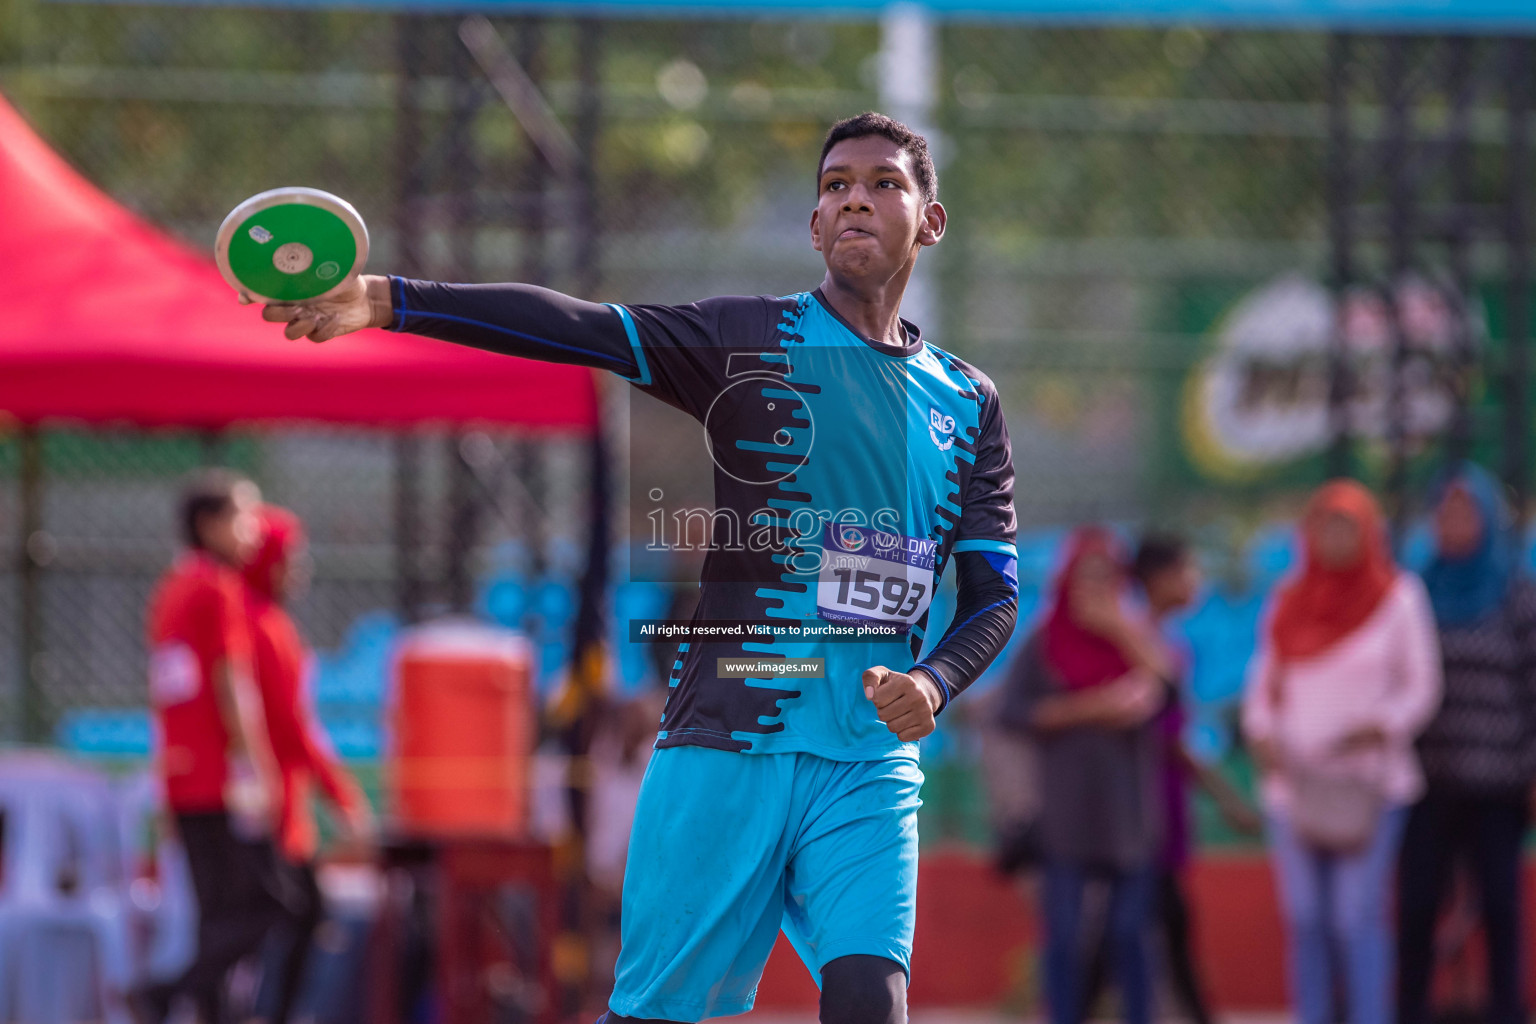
727 848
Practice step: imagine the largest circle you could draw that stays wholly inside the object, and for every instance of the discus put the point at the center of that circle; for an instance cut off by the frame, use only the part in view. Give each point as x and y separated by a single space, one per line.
291 245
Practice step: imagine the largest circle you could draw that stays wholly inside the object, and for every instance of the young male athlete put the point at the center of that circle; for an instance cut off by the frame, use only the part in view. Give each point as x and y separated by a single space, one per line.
214 759
853 462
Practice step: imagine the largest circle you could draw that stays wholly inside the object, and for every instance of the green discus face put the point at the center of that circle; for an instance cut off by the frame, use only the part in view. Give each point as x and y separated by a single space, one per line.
291 245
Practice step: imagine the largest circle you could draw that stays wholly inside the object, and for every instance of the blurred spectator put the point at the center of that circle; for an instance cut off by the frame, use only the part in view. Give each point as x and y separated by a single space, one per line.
1009 769
214 757
1347 673
1169 576
272 577
620 754
1090 686
1478 750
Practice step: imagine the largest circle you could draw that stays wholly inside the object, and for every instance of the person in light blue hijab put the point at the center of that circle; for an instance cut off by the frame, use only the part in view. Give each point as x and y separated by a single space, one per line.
1478 754
1470 573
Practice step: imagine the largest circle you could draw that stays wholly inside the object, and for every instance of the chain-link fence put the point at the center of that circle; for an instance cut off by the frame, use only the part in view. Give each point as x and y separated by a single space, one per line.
103 530
1151 230
1113 191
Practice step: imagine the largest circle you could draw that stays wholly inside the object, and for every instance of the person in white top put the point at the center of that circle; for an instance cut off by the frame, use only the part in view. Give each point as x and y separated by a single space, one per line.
1346 674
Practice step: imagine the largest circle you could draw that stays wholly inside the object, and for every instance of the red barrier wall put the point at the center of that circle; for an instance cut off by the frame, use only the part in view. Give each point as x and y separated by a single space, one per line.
977 938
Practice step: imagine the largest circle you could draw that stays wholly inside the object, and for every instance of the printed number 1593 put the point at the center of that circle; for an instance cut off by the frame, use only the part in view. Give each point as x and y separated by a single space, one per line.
900 595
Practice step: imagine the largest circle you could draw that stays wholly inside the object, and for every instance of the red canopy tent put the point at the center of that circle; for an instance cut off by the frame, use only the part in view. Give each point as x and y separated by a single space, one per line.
107 319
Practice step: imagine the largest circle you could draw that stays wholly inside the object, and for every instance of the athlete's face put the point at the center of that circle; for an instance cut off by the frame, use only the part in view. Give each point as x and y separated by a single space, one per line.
870 219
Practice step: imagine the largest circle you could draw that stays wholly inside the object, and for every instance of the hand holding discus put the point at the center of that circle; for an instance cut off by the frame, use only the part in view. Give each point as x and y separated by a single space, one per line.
362 302
301 252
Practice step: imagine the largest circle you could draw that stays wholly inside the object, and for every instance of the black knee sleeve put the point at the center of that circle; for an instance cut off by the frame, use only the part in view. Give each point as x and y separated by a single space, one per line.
863 990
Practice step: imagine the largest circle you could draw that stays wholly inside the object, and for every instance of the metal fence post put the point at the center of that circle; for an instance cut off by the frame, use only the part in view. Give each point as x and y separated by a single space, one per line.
589 113
1517 241
30 709
463 175
1396 153
408 524
1459 244
1341 240
535 170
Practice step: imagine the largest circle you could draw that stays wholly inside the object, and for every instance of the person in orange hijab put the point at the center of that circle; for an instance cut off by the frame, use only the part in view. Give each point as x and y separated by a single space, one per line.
1346 674
303 755
1347 572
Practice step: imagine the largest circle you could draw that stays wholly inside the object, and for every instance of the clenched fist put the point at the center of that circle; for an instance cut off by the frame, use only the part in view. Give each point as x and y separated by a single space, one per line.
906 702
361 302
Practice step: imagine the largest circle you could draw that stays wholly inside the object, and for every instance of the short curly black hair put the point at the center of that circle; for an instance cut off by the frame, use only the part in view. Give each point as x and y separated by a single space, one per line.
872 123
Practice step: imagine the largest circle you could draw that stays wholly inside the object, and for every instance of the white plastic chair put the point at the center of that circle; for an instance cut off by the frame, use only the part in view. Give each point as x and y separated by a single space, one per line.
65 944
165 910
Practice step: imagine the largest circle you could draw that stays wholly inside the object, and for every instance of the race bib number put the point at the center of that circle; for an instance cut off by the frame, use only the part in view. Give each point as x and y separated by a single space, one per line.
174 675
868 575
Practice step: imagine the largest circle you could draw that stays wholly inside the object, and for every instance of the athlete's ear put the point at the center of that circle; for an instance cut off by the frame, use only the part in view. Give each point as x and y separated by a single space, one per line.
816 229
932 227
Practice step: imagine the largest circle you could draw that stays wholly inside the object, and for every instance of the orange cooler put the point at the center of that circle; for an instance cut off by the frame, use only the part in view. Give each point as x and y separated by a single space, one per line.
463 730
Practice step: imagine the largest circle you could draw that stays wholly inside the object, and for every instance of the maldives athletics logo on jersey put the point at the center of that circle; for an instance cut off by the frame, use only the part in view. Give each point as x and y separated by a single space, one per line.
939 424
851 538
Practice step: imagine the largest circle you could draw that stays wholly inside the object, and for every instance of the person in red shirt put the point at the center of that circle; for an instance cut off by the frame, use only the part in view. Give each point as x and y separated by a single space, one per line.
214 758
303 756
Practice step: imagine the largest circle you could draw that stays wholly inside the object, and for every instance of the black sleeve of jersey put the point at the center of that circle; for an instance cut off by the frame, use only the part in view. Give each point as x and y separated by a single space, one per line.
986 509
680 354
684 354
515 320
985 614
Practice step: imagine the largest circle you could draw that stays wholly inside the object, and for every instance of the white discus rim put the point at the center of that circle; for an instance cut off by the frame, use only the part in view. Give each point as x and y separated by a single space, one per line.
280 197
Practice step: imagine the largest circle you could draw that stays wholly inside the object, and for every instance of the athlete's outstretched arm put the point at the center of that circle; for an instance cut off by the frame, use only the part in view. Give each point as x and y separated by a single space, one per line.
678 354
515 320
985 614
511 319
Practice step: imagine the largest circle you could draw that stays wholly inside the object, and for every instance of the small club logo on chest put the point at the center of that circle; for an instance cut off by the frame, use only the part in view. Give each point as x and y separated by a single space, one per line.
941 429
